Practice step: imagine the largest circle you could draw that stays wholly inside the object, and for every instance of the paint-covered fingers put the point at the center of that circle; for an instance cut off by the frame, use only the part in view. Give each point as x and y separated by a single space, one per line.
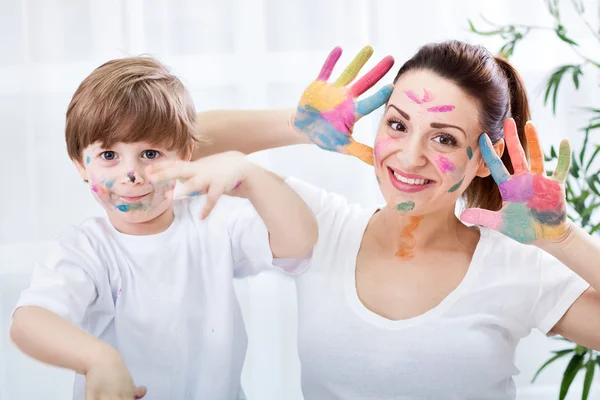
491 159
329 64
515 150
371 77
168 171
481 217
372 103
354 67
214 192
536 154
564 161
360 151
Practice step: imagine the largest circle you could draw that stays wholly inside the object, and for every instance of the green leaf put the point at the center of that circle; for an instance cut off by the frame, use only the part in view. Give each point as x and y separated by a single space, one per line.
580 350
553 8
483 33
591 181
569 375
585 142
559 354
594 154
578 5
594 229
589 377
555 79
553 152
561 32
574 166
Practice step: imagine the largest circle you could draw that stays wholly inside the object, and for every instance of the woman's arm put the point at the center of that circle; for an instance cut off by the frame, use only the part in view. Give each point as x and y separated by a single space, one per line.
245 131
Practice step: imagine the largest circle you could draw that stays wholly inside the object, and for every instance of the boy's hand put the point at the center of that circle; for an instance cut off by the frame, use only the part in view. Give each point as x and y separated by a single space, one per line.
110 380
214 176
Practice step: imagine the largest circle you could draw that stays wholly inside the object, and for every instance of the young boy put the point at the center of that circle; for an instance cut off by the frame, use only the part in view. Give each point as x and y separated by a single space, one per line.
145 293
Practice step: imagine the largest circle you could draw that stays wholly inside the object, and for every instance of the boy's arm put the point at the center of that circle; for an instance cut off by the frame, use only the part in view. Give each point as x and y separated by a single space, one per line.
49 338
291 224
245 131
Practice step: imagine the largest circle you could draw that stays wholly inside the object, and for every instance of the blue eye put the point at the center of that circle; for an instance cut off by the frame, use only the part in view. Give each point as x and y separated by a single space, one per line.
108 155
151 154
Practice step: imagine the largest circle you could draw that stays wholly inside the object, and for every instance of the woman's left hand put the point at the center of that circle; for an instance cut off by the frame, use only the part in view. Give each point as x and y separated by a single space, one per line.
534 209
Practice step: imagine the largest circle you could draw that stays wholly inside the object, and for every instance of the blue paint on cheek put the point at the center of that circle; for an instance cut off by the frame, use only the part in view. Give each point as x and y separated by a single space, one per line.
123 207
110 184
87 160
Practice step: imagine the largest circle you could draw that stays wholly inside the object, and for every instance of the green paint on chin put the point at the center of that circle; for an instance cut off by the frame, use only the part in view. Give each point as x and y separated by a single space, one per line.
406 206
470 152
378 180
455 187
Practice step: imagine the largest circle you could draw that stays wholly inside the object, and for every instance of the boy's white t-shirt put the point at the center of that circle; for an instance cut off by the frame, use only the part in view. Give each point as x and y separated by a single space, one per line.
166 302
461 349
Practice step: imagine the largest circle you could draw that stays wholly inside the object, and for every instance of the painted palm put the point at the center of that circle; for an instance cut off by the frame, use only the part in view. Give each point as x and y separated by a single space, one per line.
327 112
534 205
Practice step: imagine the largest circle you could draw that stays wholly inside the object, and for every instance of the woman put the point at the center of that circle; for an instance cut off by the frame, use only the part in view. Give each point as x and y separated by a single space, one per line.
406 301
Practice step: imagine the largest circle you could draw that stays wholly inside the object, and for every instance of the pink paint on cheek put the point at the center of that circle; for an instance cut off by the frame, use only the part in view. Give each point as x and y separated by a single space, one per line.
380 146
441 109
342 116
445 165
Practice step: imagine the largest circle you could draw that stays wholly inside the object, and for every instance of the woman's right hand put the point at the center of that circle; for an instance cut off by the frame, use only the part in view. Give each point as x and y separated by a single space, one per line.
109 379
327 112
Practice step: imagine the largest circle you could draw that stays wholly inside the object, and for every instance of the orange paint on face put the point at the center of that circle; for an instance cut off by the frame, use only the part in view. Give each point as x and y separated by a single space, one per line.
407 240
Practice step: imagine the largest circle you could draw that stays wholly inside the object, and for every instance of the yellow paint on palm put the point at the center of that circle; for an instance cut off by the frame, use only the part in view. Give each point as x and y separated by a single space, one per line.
355 66
323 96
549 231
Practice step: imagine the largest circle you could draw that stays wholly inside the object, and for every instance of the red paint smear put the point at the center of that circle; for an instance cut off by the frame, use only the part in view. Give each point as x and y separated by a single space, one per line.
547 195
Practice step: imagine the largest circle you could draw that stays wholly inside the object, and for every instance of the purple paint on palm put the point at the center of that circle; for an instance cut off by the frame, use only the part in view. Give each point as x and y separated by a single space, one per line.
517 189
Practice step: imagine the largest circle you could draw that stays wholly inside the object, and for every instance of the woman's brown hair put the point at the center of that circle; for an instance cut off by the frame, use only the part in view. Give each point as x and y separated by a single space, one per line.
494 84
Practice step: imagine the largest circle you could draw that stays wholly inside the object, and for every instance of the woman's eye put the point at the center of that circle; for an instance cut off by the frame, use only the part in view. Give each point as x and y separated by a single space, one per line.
397 126
108 155
151 154
445 140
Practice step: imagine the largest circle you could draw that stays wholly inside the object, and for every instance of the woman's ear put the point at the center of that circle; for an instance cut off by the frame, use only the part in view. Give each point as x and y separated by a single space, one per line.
483 170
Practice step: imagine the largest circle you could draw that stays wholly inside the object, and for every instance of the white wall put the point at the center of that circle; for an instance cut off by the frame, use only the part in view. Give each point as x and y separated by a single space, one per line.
234 54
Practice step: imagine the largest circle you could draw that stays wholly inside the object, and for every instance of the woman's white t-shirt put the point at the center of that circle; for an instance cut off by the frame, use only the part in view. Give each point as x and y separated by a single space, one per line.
461 349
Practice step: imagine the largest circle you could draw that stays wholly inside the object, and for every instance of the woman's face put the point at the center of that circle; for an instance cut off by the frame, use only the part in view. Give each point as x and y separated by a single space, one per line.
426 151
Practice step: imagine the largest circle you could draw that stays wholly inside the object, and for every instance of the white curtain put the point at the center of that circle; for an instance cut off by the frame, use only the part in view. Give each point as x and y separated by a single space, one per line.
242 54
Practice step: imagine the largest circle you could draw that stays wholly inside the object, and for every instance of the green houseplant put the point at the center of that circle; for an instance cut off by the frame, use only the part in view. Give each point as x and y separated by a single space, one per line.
583 183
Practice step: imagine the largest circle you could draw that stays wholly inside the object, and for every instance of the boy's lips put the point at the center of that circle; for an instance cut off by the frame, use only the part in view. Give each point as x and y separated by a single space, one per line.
133 198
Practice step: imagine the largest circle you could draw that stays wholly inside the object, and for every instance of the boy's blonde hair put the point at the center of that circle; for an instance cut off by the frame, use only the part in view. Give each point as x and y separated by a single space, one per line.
130 100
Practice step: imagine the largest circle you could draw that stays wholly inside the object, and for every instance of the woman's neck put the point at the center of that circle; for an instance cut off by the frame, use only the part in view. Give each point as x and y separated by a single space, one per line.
408 235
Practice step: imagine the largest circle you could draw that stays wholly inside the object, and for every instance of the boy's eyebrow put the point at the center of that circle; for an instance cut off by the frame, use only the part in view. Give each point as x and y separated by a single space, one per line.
404 115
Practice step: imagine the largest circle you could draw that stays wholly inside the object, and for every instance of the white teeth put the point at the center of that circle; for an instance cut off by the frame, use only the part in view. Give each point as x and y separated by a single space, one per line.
410 181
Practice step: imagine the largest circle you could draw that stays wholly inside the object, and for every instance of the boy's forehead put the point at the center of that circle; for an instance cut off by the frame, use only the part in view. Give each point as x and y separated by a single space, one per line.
122 146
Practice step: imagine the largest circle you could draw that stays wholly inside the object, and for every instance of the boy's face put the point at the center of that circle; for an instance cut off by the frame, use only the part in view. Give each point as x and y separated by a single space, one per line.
117 179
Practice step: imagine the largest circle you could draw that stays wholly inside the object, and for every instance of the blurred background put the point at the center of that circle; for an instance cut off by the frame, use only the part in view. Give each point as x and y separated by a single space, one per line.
246 54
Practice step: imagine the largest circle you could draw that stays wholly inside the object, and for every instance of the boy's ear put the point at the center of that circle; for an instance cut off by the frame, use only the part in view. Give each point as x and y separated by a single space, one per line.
81 170
190 150
483 170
